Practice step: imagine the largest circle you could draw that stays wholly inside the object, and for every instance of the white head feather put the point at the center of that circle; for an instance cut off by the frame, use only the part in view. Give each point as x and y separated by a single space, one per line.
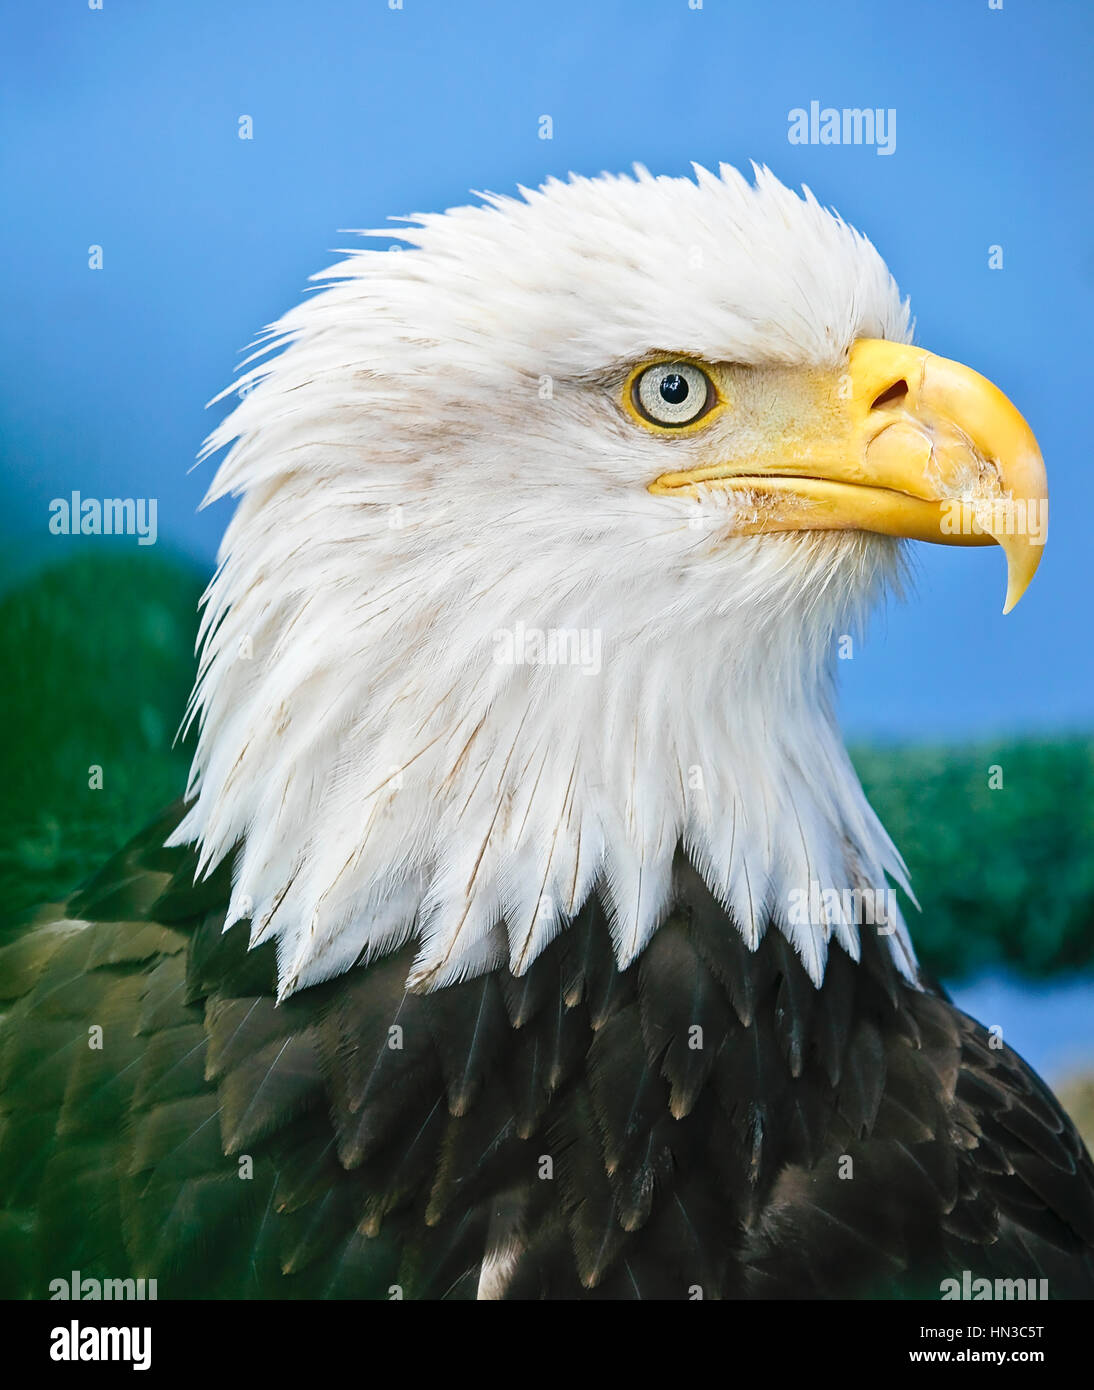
436 460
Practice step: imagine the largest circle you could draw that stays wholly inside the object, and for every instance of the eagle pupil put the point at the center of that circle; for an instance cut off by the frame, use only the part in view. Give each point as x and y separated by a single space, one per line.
674 389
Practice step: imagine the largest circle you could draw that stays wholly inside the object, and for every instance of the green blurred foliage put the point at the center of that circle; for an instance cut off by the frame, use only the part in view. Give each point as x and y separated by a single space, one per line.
1004 876
98 660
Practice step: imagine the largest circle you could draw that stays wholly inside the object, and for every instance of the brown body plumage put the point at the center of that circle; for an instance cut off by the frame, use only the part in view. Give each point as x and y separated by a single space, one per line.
567 1134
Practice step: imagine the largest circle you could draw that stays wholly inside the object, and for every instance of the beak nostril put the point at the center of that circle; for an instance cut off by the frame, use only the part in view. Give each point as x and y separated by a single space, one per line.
892 395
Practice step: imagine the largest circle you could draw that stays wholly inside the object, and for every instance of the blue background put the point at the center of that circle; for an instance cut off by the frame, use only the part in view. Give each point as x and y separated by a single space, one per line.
120 129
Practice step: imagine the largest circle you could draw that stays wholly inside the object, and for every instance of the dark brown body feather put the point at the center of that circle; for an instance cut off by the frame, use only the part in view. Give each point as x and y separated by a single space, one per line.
861 1140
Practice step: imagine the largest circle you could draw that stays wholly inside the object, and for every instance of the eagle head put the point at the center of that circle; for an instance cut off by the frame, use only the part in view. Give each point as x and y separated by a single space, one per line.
552 517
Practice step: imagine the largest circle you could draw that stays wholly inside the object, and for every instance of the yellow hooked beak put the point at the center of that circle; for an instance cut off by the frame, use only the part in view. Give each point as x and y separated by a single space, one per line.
902 443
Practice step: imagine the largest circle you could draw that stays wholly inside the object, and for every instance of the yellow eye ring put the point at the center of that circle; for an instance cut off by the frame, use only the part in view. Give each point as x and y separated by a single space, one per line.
671 395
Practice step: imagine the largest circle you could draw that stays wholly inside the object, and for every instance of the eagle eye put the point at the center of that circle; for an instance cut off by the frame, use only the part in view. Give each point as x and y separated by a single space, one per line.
672 394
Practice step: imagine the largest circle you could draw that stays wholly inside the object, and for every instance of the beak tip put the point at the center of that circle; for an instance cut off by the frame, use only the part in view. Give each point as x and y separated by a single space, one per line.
1016 587
1023 556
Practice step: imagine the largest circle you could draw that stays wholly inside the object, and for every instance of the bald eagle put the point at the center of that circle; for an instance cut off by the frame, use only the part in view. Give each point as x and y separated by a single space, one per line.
525 931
